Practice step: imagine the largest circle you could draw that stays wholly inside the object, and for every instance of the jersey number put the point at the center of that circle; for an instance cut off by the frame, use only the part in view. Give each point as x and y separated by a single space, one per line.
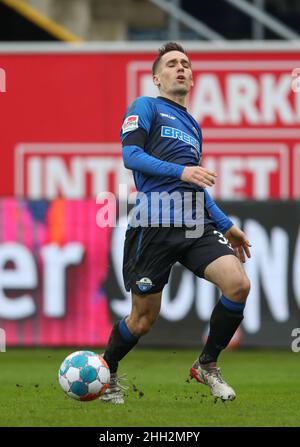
222 239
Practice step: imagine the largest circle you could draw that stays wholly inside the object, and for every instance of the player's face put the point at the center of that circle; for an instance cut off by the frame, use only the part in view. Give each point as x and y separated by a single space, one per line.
174 75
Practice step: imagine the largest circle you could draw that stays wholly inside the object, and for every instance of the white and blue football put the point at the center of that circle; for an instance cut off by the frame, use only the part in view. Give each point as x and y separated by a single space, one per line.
84 375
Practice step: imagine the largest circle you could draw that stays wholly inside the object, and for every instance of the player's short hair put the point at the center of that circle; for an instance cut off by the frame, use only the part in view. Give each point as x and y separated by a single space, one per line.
169 46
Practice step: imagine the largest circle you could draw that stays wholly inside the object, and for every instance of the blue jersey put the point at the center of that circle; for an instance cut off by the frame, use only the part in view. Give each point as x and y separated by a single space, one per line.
172 135
160 138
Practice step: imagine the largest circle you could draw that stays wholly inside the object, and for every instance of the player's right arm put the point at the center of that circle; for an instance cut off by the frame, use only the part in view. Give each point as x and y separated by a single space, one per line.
199 176
135 130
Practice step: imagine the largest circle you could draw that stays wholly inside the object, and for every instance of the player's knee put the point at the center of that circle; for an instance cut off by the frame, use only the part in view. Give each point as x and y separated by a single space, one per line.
239 289
143 325
242 289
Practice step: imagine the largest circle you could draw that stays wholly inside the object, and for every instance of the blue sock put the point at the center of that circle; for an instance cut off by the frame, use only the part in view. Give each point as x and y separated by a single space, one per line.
225 319
125 332
121 341
232 305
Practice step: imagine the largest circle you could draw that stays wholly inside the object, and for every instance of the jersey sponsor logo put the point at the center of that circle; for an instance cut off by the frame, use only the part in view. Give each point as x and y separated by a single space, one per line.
130 123
172 132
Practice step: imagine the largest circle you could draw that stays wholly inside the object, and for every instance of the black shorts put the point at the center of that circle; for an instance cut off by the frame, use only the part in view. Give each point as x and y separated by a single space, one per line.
150 253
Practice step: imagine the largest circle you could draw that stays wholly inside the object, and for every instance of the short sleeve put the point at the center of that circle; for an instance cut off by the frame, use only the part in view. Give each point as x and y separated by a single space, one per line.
139 114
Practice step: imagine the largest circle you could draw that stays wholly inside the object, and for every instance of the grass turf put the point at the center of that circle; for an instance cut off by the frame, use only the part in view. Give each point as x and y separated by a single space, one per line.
266 384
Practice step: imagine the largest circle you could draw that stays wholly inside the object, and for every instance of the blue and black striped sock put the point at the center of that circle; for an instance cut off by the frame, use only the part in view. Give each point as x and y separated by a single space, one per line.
225 319
121 341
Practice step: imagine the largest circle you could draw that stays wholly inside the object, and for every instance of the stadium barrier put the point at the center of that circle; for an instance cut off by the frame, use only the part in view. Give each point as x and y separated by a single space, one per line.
61 277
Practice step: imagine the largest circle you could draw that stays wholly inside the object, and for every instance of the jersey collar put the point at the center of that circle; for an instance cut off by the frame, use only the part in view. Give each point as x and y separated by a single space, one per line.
173 103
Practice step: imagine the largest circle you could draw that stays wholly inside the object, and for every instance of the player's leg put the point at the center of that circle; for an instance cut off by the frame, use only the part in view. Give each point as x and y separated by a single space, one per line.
144 312
125 335
227 273
146 267
212 258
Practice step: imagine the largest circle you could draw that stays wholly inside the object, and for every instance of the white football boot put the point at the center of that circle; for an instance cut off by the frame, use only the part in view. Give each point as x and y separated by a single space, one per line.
212 377
114 394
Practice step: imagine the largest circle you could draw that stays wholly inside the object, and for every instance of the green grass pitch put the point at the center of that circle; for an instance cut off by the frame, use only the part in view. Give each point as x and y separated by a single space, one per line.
266 383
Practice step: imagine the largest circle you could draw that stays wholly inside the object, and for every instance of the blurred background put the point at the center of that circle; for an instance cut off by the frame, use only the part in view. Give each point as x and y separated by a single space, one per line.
68 70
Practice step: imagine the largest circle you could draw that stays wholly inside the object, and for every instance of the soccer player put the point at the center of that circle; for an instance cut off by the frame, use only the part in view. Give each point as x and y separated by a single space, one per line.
162 145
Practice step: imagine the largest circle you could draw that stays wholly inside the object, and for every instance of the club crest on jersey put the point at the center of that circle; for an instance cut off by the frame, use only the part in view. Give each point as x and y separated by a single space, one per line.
144 284
130 123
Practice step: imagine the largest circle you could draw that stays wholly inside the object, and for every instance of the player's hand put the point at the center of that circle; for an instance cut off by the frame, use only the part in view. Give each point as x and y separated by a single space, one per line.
239 242
199 176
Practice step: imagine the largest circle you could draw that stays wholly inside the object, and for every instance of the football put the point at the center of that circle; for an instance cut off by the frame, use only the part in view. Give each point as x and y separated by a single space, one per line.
84 375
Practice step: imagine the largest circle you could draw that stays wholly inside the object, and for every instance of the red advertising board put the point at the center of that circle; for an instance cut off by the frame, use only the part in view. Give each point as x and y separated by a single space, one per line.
61 112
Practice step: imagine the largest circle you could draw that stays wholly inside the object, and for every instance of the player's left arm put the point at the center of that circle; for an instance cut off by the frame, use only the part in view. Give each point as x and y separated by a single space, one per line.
221 220
235 236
